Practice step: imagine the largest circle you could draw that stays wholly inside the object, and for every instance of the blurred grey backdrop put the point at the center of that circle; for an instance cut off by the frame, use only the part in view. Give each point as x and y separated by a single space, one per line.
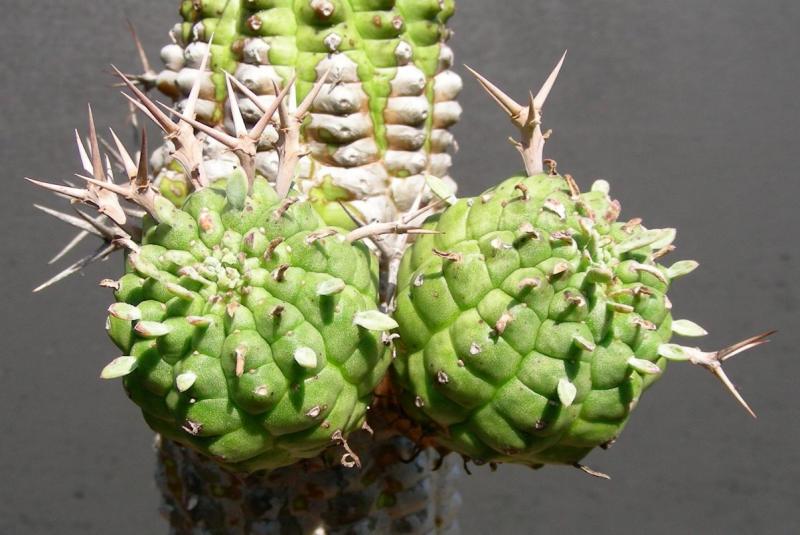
689 107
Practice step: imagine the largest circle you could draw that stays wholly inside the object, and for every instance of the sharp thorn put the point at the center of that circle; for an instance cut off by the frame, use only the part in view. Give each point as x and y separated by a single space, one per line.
68 247
113 154
414 214
713 361
100 253
541 96
261 125
109 169
69 219
358 222
131 117
134 212
744 345
139 47
238 121
194 94
720 374
86 163
125 157
532 115
304 106
159 117
94 147
142 180
225 139
138 105
247 92
509 105
110 186
73 193
283 110
106 232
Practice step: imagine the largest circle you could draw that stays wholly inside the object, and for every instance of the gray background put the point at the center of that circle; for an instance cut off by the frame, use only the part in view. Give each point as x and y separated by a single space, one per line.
690 109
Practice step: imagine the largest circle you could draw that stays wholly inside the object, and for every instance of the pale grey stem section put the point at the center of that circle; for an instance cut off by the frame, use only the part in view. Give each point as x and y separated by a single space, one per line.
397 491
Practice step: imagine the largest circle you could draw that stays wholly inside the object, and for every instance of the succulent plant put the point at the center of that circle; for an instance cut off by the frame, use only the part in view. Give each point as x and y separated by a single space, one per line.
532 320
278 259
298 130
246 326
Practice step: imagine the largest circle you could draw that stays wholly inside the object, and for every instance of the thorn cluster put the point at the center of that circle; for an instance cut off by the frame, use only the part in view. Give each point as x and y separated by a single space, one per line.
527 118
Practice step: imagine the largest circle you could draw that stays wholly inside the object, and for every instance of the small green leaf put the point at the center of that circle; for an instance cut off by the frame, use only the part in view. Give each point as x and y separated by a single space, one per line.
124 311
305 357
647 238
622 308
330 286
185 381
679 269
600 274
164 210
556 207
119 367
151 329
237 190
644 366
199 321
668 236
374 321
180 258
601 186
687 328
583 343
179 291
143 267
566 392
674 352
441 189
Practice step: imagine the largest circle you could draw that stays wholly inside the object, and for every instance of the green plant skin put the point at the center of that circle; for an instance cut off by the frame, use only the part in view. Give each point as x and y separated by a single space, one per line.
370 32
492 394
267 410
297 34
